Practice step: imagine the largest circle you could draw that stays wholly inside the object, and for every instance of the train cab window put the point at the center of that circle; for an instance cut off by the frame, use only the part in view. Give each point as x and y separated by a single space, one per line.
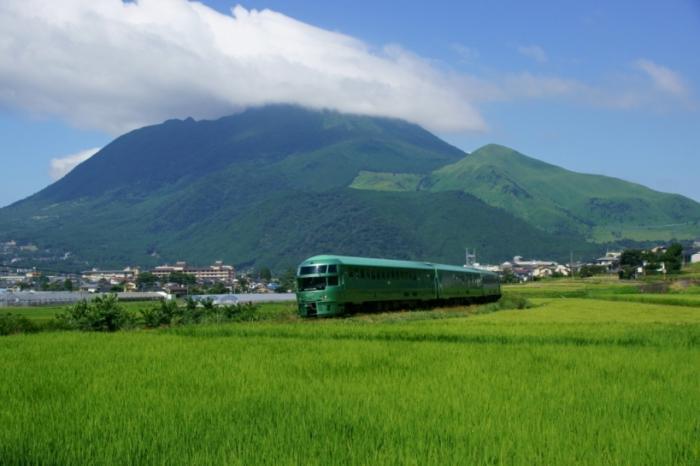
322 269
333 280
333 268
312 283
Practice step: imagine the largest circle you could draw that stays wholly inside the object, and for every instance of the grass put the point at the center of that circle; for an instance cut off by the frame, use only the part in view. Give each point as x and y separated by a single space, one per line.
568 381
42 313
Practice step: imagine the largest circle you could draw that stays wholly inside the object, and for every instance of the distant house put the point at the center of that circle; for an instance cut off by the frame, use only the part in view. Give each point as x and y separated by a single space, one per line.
611 260
695 258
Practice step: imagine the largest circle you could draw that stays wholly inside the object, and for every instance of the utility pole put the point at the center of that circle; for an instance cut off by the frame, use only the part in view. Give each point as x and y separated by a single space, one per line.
571 263
470 258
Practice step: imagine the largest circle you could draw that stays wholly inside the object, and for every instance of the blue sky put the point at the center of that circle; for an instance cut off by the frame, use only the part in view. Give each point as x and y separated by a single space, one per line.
598 87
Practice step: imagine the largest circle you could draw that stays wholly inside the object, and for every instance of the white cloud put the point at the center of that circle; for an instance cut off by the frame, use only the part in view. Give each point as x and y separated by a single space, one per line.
663 78
61 166
535 52
116 66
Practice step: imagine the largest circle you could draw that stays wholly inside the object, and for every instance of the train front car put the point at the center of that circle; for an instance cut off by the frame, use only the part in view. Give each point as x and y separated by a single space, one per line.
318 287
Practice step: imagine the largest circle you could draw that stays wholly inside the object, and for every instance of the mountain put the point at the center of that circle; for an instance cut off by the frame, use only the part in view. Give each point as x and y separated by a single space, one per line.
556 200
273 185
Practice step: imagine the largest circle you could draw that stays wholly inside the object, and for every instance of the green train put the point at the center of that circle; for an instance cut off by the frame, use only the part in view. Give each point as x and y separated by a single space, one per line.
331 285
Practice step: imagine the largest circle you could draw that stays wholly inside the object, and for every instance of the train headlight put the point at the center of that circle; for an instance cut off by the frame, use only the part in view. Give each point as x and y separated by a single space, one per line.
324 297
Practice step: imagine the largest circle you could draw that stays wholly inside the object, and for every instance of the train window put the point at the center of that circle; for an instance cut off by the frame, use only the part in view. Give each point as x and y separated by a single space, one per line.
312 283
321 269
333 268
333 281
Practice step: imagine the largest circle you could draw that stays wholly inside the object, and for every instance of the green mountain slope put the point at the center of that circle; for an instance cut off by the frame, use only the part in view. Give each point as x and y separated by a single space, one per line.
285 140
554 199
283 228
268 186
271 186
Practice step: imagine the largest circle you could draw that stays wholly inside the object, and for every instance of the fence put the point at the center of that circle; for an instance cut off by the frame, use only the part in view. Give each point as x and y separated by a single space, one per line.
47 298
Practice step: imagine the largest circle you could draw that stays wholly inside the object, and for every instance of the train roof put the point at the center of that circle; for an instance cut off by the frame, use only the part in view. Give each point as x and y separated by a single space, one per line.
375 262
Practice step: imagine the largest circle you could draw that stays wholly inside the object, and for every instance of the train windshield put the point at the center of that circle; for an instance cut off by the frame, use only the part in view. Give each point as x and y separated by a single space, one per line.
312 283
317 269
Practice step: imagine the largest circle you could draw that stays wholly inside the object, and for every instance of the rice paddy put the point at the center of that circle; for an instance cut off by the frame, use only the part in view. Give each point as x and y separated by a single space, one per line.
570 380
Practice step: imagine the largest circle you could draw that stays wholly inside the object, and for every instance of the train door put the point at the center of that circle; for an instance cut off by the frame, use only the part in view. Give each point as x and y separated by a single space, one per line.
437 284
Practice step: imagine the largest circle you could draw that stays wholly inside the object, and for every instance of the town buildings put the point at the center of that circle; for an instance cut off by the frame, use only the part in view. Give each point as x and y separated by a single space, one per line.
218 272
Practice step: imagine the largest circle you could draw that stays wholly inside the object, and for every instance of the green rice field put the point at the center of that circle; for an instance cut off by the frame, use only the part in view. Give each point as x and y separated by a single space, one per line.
574 379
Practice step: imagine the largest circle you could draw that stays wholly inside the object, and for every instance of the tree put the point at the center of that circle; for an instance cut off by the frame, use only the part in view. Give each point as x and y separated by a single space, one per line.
117 288
146 281
265 274
288 280
68 284
42 283
217 288
243 284
591 270
673 258
632 258
182 278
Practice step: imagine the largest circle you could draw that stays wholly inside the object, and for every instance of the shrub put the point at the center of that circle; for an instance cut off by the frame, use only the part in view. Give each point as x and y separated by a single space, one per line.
102 314
11 324
163 314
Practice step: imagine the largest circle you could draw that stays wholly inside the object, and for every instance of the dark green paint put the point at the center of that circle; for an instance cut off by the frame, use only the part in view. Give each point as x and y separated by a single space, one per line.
368 283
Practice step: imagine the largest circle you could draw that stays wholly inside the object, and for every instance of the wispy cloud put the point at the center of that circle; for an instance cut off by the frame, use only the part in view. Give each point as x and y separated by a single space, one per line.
664 79
61 166
466 54
117 65
534 52
537 86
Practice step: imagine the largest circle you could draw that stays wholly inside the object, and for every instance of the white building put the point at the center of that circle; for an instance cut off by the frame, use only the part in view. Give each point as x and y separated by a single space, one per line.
218 272
519 262
112 276
695 258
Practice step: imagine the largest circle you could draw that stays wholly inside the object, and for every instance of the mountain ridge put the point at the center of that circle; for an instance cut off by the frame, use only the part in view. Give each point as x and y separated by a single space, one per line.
558 200
273 184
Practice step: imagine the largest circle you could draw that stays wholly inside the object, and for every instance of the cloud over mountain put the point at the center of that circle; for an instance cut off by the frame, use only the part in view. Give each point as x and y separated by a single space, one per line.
116 65
62 165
